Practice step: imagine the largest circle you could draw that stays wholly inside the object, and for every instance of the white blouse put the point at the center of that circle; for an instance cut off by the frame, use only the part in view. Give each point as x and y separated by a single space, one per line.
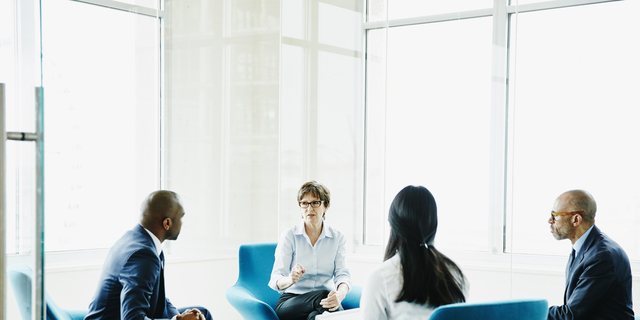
381 291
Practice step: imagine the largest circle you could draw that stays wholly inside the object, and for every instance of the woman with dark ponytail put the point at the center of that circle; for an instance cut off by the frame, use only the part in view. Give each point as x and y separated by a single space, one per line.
415 278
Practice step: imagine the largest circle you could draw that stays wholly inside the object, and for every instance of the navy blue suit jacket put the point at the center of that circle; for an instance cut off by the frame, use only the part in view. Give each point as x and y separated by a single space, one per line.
598 283
129 286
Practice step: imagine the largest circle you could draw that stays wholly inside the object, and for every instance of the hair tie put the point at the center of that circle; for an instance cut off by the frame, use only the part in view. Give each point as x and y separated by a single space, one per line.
424 244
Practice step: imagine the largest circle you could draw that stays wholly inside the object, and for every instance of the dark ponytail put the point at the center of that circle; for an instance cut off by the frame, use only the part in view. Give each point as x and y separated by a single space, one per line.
429 276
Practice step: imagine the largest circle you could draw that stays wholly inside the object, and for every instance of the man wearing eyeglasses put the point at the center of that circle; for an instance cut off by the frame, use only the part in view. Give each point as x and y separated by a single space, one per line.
598 273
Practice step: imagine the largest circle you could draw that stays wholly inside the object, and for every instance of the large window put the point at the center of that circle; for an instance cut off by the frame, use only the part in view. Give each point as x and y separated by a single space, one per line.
428 125
498 110
102 121
575 104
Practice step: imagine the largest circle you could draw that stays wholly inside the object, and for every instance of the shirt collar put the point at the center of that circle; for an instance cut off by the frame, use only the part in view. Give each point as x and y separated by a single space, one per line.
156 241
325 231
578 244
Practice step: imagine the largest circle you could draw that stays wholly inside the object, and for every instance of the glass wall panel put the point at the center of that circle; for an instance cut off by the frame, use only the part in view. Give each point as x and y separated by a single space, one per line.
292 133
376 103
20 73
339 136
102 121
576 105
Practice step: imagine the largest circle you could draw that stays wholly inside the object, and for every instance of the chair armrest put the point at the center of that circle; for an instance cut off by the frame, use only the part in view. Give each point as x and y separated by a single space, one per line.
352 300
77 314
247 305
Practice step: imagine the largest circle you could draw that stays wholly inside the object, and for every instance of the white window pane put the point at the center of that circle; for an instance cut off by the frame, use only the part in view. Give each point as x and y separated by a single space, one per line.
339 27
101 122
437 124
577 106
293 18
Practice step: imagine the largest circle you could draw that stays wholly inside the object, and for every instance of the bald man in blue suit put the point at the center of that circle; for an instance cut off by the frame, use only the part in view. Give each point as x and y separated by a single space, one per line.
598 272
131 285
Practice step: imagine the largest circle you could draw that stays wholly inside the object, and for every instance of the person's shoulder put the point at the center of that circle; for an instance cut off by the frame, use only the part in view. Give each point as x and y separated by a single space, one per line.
388 268
333 232
606 249
603 242
290 234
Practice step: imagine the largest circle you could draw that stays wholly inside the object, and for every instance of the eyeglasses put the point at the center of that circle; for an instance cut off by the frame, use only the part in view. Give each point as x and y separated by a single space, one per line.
554 214
314 204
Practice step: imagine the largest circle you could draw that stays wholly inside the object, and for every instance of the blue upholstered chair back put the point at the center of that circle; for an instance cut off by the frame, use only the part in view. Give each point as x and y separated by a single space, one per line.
256 262
503 310
251 295
20 277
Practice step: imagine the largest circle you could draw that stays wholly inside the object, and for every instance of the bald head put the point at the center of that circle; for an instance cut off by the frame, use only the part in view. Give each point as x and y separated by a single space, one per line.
158 206
579 200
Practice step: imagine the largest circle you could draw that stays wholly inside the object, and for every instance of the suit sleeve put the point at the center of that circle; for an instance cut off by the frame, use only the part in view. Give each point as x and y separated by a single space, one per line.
597 276
138 276
171 310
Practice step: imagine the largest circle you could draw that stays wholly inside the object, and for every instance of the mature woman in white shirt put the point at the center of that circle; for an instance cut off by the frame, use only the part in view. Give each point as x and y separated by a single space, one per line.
415 278
310 268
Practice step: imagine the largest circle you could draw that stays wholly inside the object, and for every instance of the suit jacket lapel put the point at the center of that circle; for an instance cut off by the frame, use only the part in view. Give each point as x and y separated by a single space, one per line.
588 243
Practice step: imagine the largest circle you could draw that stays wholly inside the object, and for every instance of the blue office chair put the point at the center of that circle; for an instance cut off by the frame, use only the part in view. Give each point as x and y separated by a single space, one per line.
251 295
503 310
20 277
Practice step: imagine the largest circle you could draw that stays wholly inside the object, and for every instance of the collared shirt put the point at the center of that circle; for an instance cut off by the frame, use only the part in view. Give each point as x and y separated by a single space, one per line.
578 244
156 241
325 263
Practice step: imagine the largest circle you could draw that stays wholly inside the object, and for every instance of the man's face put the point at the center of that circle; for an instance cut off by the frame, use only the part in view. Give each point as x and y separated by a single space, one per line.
561 227
174 231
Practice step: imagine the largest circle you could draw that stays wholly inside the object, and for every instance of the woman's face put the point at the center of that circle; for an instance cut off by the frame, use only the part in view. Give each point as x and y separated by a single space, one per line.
312 216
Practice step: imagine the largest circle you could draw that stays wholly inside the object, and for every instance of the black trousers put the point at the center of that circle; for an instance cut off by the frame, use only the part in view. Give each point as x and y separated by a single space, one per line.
304 306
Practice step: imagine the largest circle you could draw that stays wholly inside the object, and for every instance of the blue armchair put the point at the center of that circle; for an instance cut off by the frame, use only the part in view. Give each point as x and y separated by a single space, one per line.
20 277
503 310
252 297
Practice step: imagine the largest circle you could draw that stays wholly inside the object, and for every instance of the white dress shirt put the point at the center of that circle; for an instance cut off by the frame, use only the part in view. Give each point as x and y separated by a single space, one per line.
156 241
381 290
325 263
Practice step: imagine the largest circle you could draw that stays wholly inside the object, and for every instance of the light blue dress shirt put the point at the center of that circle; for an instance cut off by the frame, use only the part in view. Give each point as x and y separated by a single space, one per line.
325 263
578 245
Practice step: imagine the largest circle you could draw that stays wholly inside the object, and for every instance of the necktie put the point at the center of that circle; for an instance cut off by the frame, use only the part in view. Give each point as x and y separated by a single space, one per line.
572 257
568 273
161 299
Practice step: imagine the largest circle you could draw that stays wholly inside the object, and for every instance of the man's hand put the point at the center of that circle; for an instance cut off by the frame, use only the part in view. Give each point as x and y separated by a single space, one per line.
332 301
191 314
296 273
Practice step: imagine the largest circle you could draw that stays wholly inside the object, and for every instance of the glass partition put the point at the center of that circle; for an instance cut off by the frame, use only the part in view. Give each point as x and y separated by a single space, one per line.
22 215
